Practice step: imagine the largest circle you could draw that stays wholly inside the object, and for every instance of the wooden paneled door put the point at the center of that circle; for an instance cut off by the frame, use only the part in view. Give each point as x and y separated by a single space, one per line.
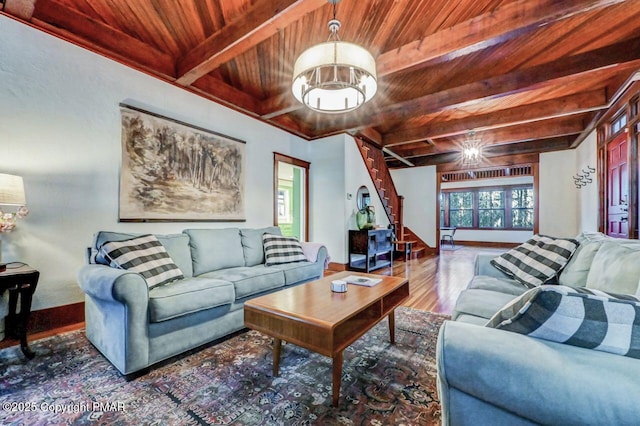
618 187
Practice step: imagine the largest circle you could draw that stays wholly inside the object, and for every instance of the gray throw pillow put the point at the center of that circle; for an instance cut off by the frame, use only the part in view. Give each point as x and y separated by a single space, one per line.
575 316
144 255
537 261
279 250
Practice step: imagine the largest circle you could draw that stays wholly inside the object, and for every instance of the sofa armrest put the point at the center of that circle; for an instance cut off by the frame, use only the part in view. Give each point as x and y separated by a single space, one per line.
316 252
538 380
117 315
483 266
112 284
323 257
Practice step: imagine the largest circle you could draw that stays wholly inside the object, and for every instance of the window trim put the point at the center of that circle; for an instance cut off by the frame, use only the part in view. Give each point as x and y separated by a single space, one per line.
508 217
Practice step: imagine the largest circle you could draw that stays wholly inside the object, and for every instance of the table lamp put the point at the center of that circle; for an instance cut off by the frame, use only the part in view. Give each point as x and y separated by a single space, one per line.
11 196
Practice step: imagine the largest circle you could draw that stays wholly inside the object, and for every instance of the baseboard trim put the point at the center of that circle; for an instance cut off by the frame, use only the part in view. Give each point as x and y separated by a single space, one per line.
430 251
56 317
489 244
337 267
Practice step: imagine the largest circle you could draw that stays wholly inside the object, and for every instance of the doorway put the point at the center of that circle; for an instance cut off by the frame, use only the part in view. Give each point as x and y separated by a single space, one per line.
618 187
291 201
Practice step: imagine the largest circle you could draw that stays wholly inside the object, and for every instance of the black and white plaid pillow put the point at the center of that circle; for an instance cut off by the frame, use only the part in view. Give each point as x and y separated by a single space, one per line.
537 261
144 255
279 250
581 317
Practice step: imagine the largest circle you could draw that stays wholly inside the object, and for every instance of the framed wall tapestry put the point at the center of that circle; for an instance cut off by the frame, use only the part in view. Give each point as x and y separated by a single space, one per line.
172 171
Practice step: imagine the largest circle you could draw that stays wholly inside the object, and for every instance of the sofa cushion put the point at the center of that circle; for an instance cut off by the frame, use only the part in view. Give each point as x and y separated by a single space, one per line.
298 272
279 250
481 303
502 285
248 281
576 271
471 319
177 245
575 316
536 261
188 296
546 382
615 268
144 255
213 249
252 244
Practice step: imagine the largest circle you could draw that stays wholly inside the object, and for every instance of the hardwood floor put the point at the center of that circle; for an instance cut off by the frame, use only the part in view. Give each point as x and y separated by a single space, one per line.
435 283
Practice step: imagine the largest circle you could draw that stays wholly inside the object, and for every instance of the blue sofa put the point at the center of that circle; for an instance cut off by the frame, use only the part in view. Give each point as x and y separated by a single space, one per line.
496 377
134 327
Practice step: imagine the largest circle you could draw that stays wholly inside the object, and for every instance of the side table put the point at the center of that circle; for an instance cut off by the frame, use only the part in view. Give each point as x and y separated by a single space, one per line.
19 281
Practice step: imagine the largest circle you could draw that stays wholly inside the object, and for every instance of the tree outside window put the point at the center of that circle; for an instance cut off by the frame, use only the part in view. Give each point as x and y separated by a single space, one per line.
497 207
522 208
491 209
461 209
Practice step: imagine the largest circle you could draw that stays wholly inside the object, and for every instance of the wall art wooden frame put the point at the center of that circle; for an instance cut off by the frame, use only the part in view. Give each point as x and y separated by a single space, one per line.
173 171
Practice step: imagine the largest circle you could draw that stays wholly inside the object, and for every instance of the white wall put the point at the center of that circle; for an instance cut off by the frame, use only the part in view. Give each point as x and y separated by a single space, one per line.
587 156
418 186
337 171
60 130
558 194
559 206
327 188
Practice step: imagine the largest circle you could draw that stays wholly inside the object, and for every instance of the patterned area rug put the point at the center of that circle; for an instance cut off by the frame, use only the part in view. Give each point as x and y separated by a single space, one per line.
69 382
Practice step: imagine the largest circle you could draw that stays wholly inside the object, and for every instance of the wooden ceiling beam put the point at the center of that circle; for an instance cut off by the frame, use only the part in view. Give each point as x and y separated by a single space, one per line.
218 90
484 31
544 110
469 36
502 85
263 19
69 24
280 104
22 9
507 160
508 135
370 134
502 155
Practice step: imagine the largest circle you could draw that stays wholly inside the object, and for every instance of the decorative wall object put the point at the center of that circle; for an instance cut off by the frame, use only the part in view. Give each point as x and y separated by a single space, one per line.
583 179
172 171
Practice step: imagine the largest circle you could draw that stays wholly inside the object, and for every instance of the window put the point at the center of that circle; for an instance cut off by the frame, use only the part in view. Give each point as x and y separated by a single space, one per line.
618 124
522 208
461 209
505 207
491 209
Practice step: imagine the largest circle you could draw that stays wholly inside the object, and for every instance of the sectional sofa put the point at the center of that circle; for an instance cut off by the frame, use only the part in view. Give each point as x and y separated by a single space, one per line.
135 327
489 376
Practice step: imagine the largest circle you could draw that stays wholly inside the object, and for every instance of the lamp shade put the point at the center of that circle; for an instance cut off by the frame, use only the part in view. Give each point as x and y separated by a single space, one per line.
334 77
12 190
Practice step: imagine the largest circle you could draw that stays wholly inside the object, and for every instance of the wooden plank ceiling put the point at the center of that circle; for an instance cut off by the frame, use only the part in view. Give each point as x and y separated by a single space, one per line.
525 75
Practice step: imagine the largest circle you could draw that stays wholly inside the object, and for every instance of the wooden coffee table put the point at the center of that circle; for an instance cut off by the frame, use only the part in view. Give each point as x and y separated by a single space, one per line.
313 317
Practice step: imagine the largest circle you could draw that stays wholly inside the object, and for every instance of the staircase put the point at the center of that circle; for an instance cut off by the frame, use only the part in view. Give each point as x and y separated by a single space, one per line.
391 201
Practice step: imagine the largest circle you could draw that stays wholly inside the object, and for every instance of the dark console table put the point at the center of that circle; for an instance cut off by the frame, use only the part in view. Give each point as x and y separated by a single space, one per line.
370 249
20 281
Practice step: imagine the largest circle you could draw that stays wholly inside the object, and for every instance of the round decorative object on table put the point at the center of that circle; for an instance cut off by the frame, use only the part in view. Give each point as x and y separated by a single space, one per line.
339 286
366 218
